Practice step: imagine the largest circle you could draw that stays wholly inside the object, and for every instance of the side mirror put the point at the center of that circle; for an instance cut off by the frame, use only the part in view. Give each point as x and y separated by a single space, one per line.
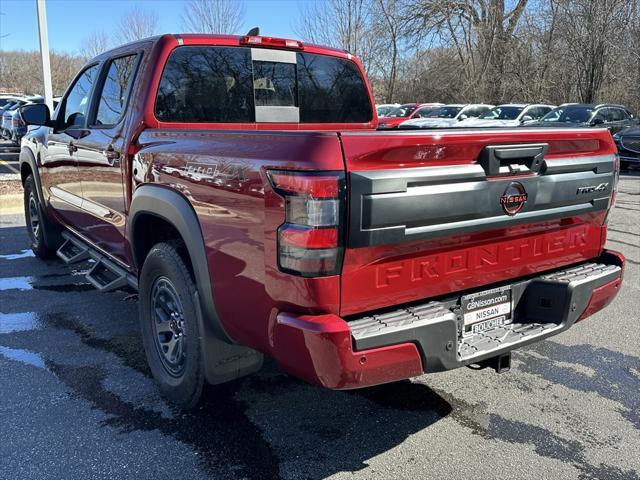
35 114
597 121
77 132
526 118
463 117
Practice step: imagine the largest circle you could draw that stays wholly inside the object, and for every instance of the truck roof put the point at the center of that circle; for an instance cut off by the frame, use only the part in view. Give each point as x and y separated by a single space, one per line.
219 39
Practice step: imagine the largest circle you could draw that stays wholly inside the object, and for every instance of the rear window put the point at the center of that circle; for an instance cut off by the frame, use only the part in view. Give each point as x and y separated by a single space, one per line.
224 84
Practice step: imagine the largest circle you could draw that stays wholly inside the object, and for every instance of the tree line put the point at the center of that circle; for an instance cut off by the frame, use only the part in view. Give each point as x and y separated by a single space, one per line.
493 51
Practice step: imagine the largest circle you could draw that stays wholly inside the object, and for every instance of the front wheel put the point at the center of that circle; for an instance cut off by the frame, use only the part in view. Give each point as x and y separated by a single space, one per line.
37 221
169 324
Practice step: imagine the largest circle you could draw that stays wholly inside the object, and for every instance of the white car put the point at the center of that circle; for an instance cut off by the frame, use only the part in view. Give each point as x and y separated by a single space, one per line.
385 108
447 116
508 115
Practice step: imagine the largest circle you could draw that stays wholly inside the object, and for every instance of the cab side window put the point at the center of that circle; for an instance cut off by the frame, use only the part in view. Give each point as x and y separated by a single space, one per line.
607 115
619 115
74 109
115 90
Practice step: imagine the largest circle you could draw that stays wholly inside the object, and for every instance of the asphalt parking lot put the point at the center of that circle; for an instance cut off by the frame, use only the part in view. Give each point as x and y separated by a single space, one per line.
8 160
77 401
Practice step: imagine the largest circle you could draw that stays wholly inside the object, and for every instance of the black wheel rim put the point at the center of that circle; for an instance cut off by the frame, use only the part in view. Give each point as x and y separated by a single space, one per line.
168 326
34 218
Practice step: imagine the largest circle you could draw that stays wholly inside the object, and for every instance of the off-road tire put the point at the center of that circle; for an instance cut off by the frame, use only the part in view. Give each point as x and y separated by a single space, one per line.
164 271
37 222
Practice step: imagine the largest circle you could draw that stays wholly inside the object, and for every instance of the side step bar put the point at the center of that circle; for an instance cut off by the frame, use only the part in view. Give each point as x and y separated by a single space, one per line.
73 250
105 275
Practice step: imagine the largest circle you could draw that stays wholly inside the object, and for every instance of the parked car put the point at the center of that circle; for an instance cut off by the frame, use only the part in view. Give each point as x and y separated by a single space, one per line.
508 115
6 99
356 257
612 117
16 128
385 108
447 116
405 112
7 115
628 143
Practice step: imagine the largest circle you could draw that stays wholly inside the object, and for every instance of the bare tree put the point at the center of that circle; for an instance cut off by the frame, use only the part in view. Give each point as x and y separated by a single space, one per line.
137 23
94 44
342 24
387 35
213 16
593 31
21 71
480 31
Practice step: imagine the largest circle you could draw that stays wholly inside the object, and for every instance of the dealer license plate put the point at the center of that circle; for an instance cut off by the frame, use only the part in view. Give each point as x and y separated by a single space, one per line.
484 311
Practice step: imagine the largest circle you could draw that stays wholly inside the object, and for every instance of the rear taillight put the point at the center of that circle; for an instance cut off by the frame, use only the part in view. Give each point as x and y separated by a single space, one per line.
310 241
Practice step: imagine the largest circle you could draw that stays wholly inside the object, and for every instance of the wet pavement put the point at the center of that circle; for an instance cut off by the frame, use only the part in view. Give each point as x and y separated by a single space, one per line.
77 401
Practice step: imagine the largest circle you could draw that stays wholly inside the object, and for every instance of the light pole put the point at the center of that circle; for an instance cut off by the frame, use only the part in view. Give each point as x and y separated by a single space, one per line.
44 52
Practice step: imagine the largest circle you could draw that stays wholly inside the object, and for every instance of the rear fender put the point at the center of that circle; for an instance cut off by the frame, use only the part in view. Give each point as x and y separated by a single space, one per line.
223 360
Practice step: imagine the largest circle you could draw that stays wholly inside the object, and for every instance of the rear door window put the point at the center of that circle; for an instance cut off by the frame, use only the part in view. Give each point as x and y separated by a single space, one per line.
235 84
115 90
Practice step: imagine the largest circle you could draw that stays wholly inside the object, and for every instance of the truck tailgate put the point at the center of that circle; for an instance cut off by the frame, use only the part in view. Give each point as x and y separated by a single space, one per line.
435 212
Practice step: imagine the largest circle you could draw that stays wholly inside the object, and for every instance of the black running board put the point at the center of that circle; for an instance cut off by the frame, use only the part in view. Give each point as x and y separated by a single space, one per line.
73 250
105 275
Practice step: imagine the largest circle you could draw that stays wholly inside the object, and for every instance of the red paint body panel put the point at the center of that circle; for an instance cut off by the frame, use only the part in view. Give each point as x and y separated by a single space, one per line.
385 275
319 349
415 148
604 295
216 171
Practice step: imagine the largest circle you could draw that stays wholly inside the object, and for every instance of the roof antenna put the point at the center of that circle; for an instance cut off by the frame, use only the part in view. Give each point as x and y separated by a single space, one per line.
254 32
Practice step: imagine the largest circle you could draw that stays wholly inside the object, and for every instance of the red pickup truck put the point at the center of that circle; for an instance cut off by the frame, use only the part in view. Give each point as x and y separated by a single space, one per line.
239 183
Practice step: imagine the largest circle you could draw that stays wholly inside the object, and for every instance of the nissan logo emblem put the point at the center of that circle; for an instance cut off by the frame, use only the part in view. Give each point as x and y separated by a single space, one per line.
513 198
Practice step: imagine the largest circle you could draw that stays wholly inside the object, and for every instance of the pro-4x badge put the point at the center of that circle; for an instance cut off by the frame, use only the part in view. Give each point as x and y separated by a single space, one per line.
513 198
592 188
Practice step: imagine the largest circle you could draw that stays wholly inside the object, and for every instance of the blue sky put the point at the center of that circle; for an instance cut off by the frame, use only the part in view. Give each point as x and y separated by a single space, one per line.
70 21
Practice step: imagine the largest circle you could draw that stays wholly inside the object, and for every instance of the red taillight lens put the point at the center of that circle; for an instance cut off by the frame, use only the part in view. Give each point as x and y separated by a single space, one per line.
271 42
310 239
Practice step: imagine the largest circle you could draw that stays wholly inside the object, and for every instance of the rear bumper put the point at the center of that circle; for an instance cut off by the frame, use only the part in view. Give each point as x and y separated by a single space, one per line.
339 354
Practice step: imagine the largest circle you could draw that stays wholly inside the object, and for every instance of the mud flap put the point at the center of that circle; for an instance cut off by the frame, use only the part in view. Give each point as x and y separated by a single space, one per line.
223 362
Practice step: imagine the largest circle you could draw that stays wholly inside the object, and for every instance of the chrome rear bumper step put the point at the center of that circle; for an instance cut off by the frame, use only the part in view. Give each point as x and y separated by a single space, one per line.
542 306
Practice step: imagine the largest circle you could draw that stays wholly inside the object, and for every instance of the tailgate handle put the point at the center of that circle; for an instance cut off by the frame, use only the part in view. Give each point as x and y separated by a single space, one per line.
512 159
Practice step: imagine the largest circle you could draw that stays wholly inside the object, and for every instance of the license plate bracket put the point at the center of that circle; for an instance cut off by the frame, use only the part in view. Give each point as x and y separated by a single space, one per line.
484 311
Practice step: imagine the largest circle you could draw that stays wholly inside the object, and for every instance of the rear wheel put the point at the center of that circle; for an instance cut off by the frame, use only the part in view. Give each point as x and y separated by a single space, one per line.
169 324
37 221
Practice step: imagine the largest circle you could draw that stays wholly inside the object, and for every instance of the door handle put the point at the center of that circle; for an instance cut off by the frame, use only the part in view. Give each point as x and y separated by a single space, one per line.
111 154
72 148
